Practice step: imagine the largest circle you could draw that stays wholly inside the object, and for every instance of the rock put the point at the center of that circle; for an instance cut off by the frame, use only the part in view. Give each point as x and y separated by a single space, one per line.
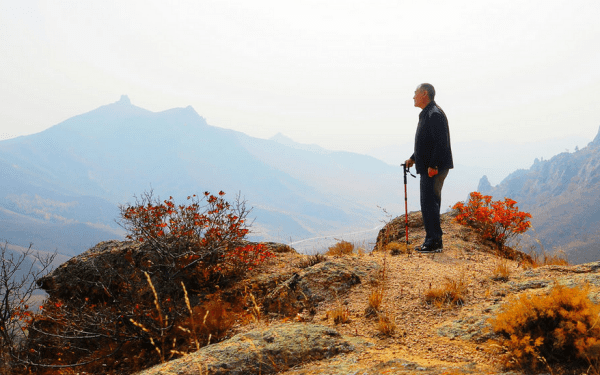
472 328
263 350
85 274
275 247
98 272
323 281
395 230
529 284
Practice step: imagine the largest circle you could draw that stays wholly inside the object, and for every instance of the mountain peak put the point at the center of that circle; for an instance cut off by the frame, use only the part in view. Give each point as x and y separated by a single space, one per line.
596 140
124 100
280 138
484 185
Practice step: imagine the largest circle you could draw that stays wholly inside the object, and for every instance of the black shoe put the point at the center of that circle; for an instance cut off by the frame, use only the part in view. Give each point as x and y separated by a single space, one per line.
434 247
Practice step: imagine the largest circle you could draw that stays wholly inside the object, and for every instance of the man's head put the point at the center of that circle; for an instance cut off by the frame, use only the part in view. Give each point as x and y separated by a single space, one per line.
424 94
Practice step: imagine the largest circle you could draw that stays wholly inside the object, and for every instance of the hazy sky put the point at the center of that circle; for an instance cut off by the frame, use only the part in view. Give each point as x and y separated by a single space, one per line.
337 73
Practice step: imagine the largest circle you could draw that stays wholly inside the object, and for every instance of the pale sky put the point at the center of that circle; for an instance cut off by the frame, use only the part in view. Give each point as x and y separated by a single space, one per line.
338 73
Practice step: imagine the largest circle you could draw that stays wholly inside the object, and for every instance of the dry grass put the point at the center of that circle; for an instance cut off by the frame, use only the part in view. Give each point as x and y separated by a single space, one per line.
341 248
375 300
206 322
396 248
543 258
501 272
557 258
340 314
452 292
386 326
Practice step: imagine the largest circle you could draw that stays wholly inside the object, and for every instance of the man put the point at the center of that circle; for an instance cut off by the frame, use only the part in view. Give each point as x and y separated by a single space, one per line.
433 158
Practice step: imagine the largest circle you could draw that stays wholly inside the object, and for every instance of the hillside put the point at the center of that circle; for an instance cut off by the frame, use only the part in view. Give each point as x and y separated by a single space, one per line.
71 178
562 195
292 306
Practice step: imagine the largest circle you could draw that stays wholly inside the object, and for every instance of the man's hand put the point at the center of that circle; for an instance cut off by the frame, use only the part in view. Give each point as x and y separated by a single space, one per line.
409 163
432 172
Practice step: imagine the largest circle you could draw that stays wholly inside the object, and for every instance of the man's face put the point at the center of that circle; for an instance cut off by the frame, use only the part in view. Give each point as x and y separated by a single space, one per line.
420 98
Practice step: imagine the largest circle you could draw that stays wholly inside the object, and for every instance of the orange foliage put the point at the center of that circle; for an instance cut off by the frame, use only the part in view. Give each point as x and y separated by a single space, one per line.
560 327
211 233
140 312
498 221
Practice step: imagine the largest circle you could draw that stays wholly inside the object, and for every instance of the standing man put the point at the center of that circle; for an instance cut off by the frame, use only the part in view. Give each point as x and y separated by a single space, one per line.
433 158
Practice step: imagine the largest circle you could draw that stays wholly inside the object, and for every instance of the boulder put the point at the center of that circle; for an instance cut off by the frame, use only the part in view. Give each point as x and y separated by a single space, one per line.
264 350
98 273
323 281
86 275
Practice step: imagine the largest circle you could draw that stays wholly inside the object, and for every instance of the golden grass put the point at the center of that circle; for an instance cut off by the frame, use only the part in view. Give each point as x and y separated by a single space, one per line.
452 292
386 326
339 315
558 257
397 248
375 300
561 326
501 272
341 248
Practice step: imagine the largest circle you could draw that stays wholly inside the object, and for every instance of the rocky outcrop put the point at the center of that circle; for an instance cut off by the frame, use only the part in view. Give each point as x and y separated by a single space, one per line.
265 350
395 230
324 281
88 274
99 270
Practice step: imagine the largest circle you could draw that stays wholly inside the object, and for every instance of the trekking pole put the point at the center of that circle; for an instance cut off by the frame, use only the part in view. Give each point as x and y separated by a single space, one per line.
406 170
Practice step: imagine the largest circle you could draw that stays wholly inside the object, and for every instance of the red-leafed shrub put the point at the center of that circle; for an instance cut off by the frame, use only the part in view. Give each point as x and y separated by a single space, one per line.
137 311
208 229
498 221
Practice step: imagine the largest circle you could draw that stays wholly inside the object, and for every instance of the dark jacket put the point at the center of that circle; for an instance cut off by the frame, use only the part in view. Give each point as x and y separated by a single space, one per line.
432 140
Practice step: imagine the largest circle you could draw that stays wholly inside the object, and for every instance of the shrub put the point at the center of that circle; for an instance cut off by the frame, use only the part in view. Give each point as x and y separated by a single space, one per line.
143 308
341 248
560 327
498 221
208 230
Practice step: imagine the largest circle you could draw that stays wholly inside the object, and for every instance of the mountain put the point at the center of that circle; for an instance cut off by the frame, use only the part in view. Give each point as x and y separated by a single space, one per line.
62 187
563 196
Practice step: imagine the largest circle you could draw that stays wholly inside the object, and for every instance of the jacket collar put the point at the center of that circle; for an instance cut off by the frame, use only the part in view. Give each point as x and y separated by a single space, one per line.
427 108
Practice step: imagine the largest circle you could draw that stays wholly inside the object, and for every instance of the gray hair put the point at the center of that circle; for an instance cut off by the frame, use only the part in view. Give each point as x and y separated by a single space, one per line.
428 88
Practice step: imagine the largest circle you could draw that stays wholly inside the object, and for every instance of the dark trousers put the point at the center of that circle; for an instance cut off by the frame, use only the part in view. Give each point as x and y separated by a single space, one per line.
431 200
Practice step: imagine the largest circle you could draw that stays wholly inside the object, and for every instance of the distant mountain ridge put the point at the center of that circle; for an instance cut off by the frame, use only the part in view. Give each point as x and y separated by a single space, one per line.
76 173
563 195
